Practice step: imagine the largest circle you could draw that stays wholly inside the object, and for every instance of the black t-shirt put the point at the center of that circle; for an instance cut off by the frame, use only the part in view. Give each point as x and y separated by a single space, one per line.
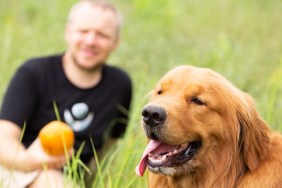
91 112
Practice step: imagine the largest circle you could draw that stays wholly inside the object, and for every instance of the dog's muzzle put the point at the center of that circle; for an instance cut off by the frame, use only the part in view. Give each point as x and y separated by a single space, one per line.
153 116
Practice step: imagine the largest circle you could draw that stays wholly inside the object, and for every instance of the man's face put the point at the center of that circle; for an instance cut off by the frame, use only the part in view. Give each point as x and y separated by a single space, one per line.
91 35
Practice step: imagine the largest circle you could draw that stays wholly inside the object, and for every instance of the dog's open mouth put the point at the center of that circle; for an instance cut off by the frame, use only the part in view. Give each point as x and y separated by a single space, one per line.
159 154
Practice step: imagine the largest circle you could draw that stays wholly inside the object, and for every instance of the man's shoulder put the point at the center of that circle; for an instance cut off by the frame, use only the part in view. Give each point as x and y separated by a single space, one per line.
39 68
43 62
117 73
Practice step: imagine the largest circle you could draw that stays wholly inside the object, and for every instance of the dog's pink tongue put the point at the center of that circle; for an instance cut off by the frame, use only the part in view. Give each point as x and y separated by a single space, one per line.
140 169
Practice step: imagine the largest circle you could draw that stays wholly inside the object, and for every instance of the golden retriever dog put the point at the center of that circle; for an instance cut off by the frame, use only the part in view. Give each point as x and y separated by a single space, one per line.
204 132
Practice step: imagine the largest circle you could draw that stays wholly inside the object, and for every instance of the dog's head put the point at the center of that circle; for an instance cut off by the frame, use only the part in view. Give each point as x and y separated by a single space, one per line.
196 117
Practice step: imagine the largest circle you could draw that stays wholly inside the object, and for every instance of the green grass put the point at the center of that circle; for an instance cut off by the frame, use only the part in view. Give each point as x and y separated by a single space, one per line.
241 39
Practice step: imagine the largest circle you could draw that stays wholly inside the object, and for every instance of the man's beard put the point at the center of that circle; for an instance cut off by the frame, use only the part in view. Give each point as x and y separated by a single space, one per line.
94 68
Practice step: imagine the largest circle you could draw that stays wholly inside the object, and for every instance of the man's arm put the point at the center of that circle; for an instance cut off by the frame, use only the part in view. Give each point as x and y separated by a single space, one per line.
14 155
11 150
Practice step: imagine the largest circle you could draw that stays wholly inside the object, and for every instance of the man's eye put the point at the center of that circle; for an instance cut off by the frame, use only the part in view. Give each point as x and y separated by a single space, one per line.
82 31
103 35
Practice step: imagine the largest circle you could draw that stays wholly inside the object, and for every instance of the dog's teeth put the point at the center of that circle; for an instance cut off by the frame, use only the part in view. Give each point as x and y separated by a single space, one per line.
187 151
158 160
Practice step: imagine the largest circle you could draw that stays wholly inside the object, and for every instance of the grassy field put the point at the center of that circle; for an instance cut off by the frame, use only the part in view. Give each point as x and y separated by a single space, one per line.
241 39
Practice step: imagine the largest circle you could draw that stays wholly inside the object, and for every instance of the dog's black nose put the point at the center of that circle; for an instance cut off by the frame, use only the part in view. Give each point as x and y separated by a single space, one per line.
153 115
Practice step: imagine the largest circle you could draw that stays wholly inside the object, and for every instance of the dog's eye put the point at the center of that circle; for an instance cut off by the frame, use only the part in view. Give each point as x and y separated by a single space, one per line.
198 101
159 92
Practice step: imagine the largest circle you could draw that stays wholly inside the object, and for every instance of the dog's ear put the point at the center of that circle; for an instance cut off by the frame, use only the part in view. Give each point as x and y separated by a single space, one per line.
254 133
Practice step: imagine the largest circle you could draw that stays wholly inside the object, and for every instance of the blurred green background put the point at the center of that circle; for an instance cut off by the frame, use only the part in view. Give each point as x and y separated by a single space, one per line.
241 39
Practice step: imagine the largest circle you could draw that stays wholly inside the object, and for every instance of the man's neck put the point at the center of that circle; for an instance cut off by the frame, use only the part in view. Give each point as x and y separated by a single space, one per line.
79 77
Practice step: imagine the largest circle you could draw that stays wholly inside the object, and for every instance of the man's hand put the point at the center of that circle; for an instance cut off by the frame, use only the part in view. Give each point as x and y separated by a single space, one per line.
38 158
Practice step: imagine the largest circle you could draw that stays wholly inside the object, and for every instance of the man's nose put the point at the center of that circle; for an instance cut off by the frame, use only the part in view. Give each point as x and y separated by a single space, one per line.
91 38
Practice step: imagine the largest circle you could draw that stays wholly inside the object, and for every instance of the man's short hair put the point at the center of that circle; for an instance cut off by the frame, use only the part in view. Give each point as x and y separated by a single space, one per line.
101 4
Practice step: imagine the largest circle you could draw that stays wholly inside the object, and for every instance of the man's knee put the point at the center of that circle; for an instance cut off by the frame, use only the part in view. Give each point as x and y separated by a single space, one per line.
49 179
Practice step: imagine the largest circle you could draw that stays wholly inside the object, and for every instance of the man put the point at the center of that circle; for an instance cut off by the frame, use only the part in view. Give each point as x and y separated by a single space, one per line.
92 98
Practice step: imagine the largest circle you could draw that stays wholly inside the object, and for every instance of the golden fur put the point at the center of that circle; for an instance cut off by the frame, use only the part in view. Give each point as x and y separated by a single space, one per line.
237 147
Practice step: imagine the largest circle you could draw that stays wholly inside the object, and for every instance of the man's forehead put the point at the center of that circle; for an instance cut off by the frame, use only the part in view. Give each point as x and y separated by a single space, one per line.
86 11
